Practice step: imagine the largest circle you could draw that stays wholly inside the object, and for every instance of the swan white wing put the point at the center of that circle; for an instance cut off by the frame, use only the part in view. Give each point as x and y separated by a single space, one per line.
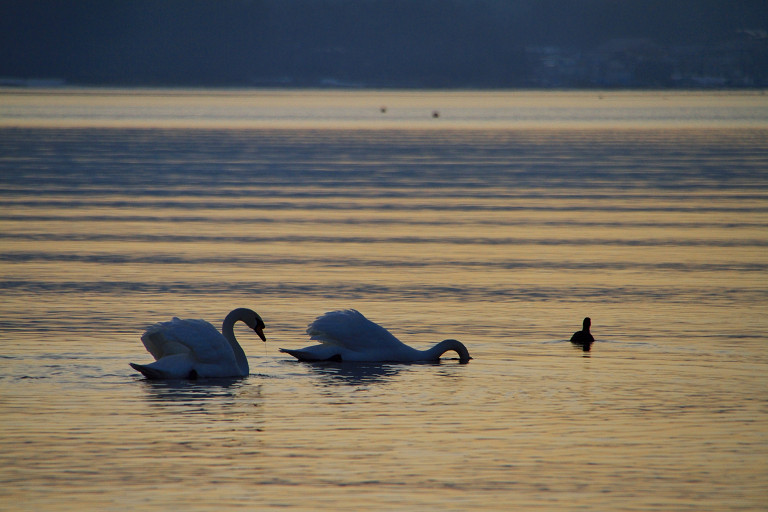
349 329
197 338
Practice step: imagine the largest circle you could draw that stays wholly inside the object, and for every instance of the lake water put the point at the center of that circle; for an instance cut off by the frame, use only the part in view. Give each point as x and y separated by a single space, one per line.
501 222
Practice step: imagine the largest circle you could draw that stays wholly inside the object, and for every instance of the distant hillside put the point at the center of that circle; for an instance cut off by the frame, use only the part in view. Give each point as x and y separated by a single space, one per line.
387 43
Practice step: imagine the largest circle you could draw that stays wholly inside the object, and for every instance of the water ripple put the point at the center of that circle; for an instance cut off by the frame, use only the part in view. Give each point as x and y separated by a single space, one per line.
407 240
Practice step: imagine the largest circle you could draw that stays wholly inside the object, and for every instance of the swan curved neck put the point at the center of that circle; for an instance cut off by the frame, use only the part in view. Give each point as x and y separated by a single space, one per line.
228 331
448 345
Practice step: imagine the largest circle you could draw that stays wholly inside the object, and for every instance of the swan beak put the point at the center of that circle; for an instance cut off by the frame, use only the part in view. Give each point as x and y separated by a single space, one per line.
260 332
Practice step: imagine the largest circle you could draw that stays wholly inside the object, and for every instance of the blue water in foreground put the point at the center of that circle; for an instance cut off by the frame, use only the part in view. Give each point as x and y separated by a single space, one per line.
502 223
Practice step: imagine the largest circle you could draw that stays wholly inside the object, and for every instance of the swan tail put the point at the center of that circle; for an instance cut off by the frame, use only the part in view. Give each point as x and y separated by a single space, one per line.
147 371
313 356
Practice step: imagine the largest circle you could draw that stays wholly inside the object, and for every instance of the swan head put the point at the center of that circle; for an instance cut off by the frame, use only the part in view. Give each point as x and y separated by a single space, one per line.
254 321
456 346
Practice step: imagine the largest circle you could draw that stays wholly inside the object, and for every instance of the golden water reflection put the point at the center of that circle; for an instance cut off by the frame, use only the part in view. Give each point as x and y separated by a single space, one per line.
666 412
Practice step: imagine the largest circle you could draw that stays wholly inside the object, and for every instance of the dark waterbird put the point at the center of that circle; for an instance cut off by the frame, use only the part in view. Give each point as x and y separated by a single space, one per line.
584 337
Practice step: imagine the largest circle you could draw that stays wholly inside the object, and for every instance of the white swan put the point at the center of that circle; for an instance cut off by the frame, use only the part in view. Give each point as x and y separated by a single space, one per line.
349 336
190 349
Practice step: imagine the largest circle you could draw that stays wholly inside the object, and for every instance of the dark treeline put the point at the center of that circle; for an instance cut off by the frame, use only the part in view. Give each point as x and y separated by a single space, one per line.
381 43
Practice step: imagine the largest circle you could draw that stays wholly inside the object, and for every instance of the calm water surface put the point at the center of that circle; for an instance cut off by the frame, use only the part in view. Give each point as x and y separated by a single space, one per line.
503 222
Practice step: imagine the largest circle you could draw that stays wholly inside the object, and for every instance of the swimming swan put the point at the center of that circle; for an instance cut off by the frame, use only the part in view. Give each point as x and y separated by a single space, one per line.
191 349
349 336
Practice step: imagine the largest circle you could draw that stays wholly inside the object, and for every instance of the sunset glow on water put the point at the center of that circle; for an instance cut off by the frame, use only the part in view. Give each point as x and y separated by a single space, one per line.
502 223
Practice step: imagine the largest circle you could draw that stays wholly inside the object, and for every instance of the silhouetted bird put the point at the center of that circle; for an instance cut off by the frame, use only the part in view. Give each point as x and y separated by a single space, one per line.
584 337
